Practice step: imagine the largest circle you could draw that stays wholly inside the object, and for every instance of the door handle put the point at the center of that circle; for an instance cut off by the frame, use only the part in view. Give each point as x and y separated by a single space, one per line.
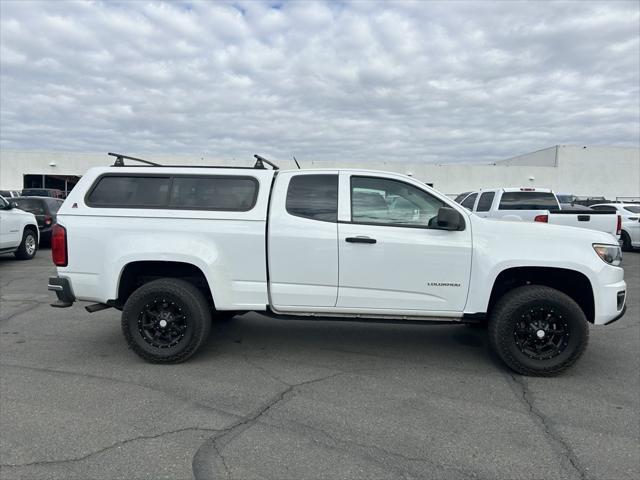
360 240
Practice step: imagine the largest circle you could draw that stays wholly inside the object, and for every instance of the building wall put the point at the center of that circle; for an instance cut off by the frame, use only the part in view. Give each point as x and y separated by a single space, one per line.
606 171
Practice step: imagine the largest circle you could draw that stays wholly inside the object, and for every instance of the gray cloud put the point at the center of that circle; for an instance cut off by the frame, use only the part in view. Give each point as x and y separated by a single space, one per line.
428 80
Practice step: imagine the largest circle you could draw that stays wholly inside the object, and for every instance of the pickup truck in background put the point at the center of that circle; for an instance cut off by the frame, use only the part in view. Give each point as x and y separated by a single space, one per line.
538 205
174 247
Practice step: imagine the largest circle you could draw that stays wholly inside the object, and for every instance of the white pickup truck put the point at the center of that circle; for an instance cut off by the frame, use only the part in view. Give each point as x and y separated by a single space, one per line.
174 247
530 204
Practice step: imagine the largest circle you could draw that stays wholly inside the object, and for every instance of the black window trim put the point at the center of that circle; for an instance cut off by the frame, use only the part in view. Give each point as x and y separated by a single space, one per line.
166 204
400 225
315 175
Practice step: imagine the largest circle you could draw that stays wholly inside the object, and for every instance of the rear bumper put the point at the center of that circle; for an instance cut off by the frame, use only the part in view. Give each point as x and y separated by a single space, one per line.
62 287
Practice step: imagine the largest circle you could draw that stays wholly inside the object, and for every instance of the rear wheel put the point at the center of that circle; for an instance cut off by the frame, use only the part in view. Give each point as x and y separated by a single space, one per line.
538 331
29 245
166 320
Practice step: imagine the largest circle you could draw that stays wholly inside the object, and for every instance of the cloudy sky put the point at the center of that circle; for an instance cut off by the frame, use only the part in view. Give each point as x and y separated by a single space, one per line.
425 81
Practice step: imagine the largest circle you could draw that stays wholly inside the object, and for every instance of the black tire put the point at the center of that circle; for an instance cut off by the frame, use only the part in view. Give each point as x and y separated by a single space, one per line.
517 321
186 315
29 245
625 242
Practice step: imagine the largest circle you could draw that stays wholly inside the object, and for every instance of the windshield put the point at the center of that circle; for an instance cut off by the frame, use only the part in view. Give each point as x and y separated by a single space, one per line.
633 208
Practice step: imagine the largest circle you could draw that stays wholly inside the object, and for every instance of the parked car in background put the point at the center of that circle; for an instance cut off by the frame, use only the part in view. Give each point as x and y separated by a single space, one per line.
570 207
7 194
45 209
630 213
43 192
537 205
588 201
18 231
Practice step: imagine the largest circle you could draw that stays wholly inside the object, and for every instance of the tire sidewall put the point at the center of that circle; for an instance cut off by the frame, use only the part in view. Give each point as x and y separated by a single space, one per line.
575 337
504 324
187 345
22 252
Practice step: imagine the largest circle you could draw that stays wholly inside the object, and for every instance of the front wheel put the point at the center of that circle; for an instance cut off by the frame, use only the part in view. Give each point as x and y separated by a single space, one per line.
538 331
166 320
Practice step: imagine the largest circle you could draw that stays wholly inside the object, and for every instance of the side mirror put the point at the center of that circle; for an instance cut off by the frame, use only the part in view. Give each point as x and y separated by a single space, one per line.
449 219
8 205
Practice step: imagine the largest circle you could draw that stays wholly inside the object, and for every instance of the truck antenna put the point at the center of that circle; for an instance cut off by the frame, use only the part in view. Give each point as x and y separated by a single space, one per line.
297 164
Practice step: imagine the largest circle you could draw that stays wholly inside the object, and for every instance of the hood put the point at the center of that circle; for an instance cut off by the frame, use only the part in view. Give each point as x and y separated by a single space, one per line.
540 231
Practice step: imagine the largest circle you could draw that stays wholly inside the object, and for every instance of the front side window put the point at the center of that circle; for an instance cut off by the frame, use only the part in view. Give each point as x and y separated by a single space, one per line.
130 191
390 202
227 193
469 201
486 199
528 201
632 208
314 197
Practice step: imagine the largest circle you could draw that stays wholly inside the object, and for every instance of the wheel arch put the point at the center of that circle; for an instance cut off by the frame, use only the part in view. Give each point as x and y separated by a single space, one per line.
136 273
570 282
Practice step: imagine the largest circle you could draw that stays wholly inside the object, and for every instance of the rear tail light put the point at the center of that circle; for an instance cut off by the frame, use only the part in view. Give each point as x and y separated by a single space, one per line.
47 220
541 218
59 246
619 225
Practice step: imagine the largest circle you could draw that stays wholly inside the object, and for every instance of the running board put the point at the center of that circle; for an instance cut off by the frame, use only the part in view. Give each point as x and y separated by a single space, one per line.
351 317
96 307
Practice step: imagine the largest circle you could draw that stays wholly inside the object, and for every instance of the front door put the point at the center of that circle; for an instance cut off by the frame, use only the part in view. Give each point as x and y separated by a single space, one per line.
390 256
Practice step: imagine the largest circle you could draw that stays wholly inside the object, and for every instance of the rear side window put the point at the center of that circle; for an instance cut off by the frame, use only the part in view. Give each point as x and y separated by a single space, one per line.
314 197
225 193
130 191
486 199
528 201
469 201
229 193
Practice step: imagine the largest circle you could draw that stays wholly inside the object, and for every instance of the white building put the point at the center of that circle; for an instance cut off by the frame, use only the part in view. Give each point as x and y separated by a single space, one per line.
612 172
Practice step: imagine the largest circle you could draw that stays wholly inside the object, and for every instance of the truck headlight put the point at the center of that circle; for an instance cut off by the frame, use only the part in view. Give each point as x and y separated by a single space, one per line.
611 254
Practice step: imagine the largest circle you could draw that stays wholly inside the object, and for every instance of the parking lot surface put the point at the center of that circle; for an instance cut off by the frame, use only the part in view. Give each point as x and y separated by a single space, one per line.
304 400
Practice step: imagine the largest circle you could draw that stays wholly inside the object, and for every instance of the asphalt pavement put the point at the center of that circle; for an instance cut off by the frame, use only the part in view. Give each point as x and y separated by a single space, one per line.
289 399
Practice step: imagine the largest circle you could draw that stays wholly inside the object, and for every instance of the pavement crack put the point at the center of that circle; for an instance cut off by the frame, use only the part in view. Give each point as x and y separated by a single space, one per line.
105 449
125 382
203 468
562 447
383 457
28 308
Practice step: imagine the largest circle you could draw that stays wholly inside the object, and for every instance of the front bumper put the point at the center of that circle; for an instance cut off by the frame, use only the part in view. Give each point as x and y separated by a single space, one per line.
64 292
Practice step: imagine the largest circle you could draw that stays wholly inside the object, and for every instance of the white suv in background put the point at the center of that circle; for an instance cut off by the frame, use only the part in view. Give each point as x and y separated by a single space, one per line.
630 213
19 232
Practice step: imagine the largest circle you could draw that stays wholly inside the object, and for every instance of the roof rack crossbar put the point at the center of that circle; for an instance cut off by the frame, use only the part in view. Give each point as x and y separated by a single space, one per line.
120 160
260 161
